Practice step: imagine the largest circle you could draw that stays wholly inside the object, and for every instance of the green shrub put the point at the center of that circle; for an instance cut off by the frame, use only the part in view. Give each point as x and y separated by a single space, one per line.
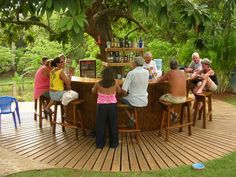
6 59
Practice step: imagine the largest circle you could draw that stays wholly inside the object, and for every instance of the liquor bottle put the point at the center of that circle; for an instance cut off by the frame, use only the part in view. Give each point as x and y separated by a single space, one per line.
140 43
126 43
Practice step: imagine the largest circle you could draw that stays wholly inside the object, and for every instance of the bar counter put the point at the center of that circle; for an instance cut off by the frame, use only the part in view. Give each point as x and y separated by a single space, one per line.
149 117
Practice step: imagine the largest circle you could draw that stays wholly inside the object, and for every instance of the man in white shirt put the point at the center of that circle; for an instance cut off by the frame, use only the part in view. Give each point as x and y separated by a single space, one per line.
136 84
150 65
196 65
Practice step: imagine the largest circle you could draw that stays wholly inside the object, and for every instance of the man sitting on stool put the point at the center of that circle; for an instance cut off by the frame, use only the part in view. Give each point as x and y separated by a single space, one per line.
135 85
177 83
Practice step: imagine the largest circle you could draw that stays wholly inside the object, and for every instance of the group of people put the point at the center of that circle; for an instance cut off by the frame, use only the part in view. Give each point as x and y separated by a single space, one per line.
51 81
134 90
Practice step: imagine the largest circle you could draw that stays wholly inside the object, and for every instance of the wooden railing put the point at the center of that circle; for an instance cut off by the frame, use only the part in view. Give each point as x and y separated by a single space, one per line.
14 88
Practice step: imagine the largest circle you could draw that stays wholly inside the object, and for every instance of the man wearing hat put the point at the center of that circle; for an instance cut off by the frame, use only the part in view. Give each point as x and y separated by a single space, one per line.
208 77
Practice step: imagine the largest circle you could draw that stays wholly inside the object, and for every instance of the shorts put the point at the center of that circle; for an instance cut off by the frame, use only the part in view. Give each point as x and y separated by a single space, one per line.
213 87
172 99
46 94
123 100
56 96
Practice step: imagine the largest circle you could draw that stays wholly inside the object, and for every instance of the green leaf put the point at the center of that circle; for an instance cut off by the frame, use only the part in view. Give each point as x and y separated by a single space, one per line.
70 24
76 27
72 7
49 4
63 22
80 20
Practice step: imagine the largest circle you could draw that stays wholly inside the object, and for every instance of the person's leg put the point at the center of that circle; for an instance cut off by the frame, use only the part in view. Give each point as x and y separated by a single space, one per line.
47 108
210 84
101 125
113 126
123 100
201 87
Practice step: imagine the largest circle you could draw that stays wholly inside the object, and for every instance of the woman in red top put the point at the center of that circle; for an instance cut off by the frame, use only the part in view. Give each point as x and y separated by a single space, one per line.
42 80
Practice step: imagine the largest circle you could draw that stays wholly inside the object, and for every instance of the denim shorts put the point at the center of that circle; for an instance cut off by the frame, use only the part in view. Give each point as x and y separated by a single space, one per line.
57 96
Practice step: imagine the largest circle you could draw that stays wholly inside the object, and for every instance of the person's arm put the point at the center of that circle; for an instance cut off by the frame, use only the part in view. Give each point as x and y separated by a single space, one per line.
126 84
207 74
154 69
46 72
163 78
95 87
65 80
118 89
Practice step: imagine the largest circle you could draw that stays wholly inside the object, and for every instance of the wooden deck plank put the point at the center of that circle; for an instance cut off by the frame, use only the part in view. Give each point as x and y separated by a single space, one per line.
124 158
92 160
74 153
99 163
140 156
157 162
171 156
180 151
85 158
160 153
79 155
109 158
134 165
116 164
152 152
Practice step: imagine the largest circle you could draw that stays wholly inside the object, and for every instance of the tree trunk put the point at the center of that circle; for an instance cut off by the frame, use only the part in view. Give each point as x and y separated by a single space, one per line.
99 28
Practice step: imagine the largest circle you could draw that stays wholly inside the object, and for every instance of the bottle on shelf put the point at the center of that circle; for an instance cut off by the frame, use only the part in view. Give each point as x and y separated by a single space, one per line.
140 43
113 42
126 43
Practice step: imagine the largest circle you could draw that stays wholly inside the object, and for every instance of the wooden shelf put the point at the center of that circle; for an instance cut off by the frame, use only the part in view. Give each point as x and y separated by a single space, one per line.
115 64
124 49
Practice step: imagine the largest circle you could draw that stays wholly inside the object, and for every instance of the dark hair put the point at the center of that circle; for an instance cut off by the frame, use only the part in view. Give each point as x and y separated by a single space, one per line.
55 61
174 64
107 78
44 58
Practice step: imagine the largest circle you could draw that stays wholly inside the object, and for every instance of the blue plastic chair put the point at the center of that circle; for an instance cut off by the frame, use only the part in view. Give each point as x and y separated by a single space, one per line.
7 107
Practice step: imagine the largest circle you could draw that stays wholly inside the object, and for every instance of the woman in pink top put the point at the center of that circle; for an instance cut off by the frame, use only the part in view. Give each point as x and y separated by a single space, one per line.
106 89
42 80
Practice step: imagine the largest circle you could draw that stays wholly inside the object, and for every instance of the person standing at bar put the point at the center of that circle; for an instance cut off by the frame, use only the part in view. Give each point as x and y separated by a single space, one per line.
106 89
150 65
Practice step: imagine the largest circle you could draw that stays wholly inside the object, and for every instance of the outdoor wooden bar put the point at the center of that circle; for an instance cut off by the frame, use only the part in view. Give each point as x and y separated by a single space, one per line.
149 117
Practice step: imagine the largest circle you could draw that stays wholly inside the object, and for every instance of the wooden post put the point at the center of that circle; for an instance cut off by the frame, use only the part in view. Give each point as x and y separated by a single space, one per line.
14 88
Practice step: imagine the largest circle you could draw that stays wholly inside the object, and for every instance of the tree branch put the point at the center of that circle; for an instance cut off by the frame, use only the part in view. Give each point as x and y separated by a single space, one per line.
118 13
19 22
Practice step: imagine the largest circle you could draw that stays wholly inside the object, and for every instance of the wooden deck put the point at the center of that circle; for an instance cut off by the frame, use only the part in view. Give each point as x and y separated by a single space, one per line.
153 153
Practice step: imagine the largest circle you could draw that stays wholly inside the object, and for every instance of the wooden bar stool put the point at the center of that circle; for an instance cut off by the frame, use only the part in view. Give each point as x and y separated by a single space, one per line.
125 129
166 116
74 121
38 109
203 98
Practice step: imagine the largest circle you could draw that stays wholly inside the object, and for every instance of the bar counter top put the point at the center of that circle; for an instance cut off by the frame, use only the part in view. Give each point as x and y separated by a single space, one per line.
94 80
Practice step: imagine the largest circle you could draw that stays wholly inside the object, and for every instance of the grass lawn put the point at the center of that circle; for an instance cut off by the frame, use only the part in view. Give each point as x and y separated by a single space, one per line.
224 167
227 97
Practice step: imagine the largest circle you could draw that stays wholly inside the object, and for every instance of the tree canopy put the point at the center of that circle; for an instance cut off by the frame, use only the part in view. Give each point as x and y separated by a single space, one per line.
96 17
